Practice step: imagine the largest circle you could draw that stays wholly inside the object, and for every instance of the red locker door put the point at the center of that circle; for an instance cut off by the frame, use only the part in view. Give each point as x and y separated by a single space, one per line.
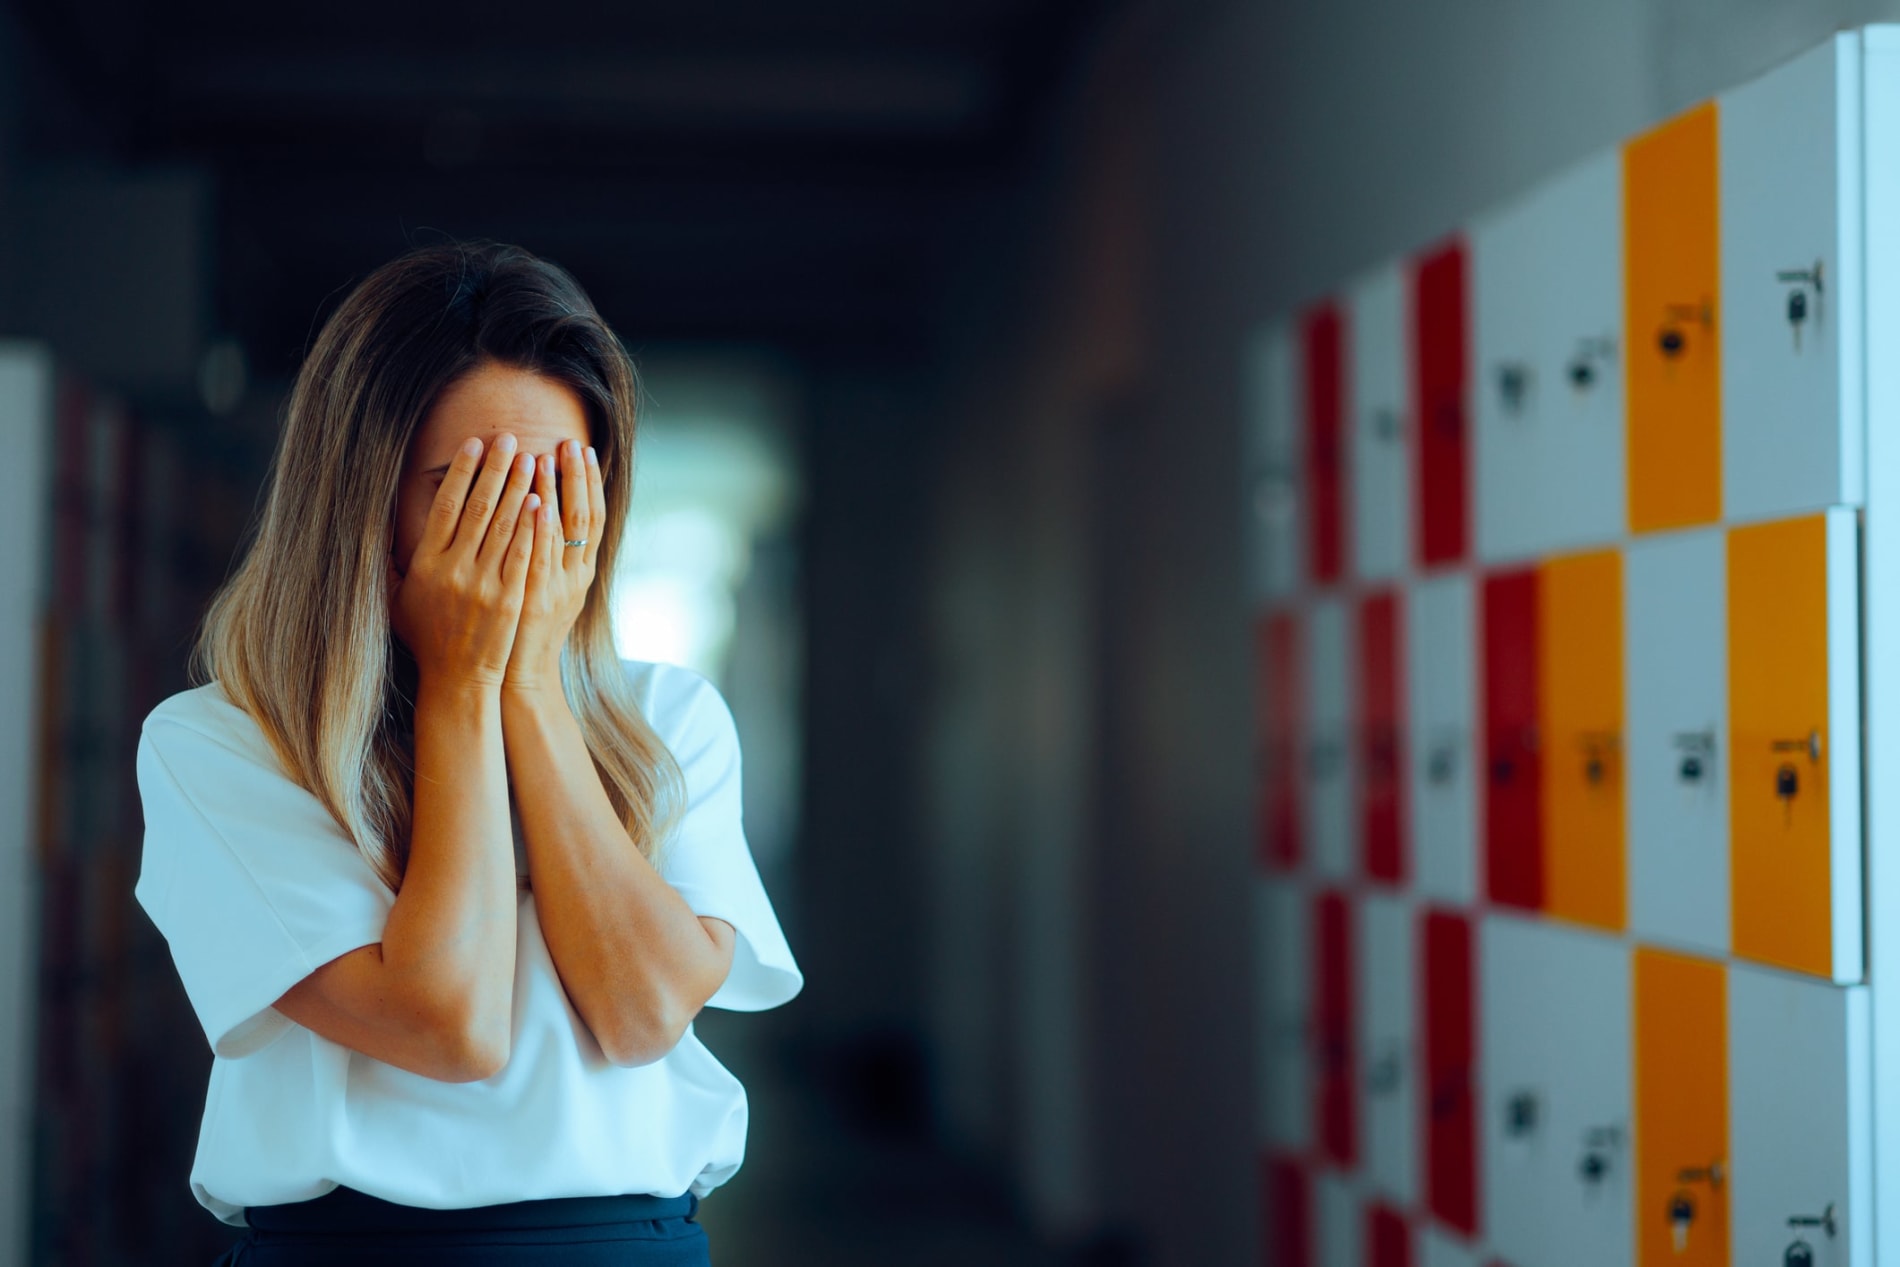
1322 339
1382 740
1451 1125
1513 818
1440 338
1288 1207
1280 708
1335 1014
1388 1238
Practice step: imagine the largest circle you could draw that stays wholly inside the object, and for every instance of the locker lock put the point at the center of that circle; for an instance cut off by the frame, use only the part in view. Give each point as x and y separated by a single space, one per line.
1698 754
1671 338
1803 280
1787 781
1681 1215
1800 1254
1583 366
1384 1074
1599 1146
1598 750
1514 385
1385 423
1520 1114
1441 763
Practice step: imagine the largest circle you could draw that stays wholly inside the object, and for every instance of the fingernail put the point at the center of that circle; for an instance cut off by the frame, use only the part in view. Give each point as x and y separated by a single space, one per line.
533 501
592 460
574 449
472 446
525 464
506 444
547 464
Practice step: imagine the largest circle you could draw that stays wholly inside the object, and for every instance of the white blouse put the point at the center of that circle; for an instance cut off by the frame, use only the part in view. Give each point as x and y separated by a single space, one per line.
254 886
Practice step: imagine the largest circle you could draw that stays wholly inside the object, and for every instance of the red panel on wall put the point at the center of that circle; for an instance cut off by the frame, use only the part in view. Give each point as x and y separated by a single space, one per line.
1513 819
1335 1104
1382 740
1281 709
1451 1126
1388 1238
1440 337
1323 356
1288 1206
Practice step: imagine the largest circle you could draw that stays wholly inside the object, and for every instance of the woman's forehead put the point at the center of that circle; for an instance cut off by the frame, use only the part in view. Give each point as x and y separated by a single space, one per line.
540 412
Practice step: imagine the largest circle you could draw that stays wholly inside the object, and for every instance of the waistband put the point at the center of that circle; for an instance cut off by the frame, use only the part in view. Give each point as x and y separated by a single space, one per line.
346 1210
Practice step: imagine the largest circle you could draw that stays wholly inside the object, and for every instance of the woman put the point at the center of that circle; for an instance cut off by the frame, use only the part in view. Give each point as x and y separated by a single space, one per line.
444 879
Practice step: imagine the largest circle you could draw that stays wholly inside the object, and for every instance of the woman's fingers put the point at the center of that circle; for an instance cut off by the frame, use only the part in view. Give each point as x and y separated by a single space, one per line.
596 505
574 514
483 498
501 528
446 511
522 547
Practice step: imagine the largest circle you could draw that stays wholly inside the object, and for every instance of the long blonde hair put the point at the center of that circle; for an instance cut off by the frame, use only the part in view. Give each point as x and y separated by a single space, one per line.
299 636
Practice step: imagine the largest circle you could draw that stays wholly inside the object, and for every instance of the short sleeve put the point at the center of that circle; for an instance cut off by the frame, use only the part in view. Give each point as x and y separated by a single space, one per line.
247 876
707 859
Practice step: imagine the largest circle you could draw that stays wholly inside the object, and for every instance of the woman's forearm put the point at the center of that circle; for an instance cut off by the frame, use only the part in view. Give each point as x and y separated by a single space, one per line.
635 960
451 935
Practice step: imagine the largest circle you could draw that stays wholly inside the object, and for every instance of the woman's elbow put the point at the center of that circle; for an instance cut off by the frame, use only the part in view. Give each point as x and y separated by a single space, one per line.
647 1037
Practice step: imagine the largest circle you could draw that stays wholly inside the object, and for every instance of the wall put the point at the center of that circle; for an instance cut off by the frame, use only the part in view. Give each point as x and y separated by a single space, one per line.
1228 160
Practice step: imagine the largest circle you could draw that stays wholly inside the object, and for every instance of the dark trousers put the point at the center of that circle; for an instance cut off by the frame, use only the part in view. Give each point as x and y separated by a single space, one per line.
345 1226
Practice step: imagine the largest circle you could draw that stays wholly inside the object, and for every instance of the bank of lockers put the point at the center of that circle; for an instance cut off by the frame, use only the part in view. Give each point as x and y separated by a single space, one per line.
1571 562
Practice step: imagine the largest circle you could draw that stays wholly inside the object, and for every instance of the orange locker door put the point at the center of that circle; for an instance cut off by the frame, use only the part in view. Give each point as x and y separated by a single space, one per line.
1580 701
1681 1081
1671 264
1794 744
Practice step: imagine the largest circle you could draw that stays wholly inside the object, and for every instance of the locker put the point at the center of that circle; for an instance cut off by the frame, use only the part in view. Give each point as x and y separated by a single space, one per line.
1378 409
1800 1117
1323 405
1388 1237
1580 710
1381 733
1450 1117
1335 1032
1440 394
1513 767
1441 690
1794 743
1681 1079
1676 656
1342 1223
1435 1249
1288 1207
1388 1026
1286 1002
1554 1004
1671 301
1548 399
1282 712
1278 551
1327 797
1791 283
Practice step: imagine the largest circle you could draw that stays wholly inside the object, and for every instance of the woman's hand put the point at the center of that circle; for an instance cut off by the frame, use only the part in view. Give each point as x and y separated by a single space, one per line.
458 605
560 575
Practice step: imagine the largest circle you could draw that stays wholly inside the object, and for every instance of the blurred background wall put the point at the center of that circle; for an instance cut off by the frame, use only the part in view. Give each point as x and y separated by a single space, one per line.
970 284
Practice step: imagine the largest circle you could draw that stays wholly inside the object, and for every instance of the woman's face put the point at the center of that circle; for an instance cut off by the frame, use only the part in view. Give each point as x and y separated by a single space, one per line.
541 413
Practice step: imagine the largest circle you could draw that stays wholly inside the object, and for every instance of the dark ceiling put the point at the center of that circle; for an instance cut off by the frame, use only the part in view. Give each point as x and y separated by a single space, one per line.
731 170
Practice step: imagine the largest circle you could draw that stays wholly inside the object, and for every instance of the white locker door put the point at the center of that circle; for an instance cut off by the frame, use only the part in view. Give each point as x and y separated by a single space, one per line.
1387 980
1676 657
1342 1219
1555 1054
1329 756
1800 1117
1378 404
1436 1249
1547 272
1790 289
1275 454
1284 937
1440 673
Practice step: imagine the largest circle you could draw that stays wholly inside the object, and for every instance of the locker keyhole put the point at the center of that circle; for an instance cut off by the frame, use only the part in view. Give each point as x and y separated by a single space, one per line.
1671 342
1582 373
1797 313
1520 1114
1800 1254
1691 770
1441 764
1385 424
1593 1167
1514 386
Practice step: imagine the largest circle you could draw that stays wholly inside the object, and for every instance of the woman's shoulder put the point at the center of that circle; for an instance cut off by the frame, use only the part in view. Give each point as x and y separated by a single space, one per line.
206 715
682 705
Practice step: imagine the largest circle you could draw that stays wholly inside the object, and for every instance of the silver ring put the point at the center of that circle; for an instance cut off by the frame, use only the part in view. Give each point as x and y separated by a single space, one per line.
581 542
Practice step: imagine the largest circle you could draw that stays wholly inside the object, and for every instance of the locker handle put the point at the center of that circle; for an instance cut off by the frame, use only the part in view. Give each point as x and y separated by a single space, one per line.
1824 1220
1712 1174
1670 338
1811 745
